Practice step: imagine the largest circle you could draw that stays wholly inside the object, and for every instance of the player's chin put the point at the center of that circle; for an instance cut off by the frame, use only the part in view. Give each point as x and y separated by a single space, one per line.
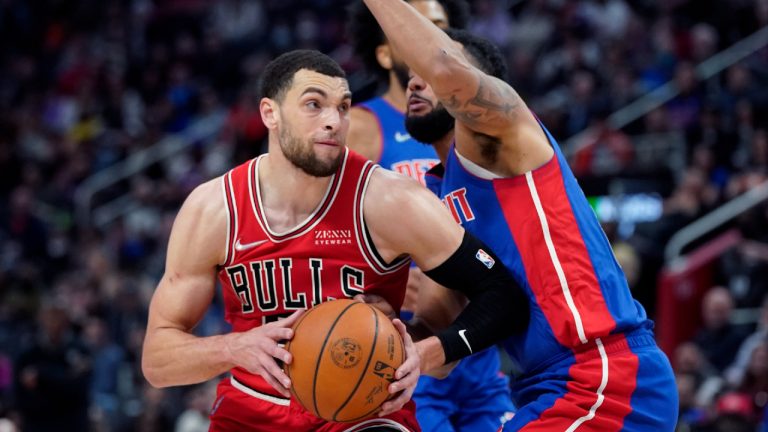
328 154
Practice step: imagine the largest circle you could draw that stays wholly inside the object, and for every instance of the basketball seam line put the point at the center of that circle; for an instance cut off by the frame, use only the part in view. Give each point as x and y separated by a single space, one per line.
320 356
368 363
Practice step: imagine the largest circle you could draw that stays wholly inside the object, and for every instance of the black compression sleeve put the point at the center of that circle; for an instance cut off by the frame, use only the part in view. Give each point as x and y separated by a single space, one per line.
498 307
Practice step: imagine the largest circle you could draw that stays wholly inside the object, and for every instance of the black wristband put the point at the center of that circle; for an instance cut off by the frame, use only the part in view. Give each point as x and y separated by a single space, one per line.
498 307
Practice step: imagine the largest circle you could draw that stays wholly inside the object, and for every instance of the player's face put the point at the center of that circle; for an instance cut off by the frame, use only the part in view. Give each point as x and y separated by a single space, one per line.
314 122
426 118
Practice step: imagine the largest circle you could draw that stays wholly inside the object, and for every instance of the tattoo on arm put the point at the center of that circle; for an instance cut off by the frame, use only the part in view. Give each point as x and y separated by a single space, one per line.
494 102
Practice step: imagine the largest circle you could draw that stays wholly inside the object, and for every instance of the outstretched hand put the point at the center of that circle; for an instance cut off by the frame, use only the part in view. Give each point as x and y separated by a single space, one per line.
256 351
407 375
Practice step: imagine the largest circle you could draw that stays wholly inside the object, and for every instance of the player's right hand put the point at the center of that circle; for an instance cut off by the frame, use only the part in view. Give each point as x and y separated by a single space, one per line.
407 374
256 350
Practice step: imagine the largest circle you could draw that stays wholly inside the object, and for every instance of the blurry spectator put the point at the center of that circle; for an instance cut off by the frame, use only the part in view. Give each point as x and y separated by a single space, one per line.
734 414
703 381
52 376
200 402
582 101
237 20
533 26
692 198
108 359
737 370
628 259
755 381
740 86
684 109
491 22
602 150
719 340
610 18
24 227
704 42
692 415
156 414
709 135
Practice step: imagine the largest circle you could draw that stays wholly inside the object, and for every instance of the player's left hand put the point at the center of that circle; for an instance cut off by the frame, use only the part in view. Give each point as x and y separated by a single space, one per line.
378 302
407 375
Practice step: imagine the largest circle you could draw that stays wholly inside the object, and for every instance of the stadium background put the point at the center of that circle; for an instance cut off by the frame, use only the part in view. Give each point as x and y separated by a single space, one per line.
112 111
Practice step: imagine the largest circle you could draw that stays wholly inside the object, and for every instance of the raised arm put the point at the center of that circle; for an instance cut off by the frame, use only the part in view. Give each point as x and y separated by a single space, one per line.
484 103
494 126
172 355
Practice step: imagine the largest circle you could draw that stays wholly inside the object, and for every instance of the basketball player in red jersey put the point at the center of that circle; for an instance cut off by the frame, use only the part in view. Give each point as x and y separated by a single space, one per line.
308 222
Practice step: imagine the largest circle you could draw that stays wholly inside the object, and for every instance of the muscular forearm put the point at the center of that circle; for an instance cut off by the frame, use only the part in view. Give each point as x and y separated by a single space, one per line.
173 357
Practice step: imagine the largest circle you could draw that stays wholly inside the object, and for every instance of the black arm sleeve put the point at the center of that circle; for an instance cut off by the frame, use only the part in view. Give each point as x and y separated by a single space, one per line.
498 307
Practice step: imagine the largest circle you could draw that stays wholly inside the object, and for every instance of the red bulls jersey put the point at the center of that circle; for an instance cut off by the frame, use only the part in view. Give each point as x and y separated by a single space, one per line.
268 275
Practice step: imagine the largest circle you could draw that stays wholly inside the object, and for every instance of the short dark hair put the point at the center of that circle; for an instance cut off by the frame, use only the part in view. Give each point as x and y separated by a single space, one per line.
365 33
487 55
278 74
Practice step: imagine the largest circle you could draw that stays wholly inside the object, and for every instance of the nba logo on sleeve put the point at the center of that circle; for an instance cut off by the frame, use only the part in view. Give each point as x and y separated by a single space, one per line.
484 258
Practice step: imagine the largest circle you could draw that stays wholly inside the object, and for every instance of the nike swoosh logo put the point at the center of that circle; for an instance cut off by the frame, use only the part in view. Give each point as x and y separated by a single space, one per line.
464 338
241 247
401 137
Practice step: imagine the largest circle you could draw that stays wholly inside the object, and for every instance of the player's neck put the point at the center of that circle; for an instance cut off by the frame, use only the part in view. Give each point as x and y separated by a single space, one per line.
443 146
395 94
288 194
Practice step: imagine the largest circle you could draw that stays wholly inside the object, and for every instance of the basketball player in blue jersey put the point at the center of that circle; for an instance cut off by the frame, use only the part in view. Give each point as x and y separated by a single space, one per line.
376 126
475 396
589 361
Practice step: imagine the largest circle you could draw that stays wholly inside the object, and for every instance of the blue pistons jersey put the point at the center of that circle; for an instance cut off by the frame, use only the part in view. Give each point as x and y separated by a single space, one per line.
400 152
588 358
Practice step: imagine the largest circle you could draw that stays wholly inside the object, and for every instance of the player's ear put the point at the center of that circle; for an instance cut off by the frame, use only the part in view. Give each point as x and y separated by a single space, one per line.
384 56
270 112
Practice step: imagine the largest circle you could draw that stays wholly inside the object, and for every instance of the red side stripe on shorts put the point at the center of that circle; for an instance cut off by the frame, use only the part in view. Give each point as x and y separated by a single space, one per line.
584 407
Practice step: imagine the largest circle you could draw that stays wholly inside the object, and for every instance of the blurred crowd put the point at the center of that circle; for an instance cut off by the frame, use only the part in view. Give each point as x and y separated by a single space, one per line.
85 84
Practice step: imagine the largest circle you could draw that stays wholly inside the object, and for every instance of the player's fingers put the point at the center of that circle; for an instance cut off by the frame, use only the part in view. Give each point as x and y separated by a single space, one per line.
408 381
288 322
281 379
400 326
278 333
283 390
281 354
393 405
412 361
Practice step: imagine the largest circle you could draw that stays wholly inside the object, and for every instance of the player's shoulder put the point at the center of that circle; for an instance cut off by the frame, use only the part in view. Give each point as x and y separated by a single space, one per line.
207 199
398 190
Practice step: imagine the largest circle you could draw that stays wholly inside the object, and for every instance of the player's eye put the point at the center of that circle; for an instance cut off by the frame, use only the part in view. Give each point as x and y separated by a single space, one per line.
313 104
344 107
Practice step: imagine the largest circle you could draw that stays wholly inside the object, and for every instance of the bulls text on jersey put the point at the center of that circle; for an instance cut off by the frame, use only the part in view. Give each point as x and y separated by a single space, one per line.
277 285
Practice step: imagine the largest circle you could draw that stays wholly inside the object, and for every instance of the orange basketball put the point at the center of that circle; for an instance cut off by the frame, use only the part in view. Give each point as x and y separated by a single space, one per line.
345 354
